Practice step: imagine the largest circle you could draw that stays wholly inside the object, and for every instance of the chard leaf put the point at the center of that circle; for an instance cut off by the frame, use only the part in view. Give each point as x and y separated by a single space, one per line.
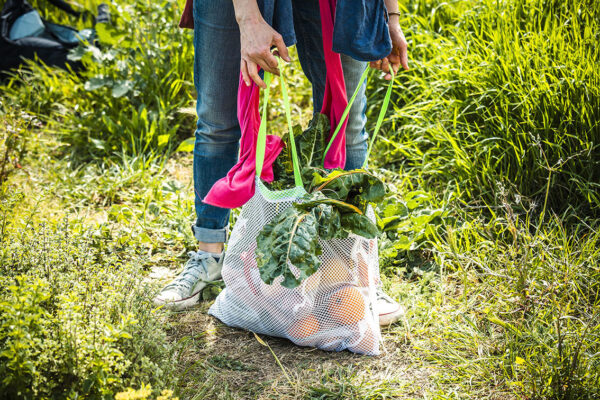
290 237
329 222
357 187
360 225
310 144
345 207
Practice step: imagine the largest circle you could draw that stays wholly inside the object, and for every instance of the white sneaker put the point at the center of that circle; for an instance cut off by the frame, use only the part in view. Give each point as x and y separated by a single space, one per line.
389 310
184 292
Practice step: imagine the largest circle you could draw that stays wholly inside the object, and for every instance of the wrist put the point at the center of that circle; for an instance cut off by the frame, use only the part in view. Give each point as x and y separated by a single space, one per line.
247 18
394 24
247 13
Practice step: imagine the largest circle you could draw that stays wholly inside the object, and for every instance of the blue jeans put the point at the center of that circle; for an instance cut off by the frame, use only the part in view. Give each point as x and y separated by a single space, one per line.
216 74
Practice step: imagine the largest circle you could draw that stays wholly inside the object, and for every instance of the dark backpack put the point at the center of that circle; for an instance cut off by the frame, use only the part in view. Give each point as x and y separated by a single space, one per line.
52 46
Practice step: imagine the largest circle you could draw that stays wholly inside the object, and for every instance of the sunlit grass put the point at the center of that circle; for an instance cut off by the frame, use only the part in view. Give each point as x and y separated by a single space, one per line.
491 152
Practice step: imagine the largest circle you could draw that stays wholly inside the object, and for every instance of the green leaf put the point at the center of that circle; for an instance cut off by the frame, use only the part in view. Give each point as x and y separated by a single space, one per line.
360 225
357 187
107 34
97 82
291 237
163 140
310 144
321 199
329 222
121 87
187 145
77 53
403 242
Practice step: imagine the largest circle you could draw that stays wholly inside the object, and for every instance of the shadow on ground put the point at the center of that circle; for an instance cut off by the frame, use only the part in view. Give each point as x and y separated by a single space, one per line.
222 362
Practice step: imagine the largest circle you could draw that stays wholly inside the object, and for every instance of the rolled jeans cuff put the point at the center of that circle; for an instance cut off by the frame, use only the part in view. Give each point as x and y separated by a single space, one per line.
209 235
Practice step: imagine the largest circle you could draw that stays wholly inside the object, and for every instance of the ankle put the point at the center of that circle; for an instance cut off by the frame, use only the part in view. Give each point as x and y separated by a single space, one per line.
216 248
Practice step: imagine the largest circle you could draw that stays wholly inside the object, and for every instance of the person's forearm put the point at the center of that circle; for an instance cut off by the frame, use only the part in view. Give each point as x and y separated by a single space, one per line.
392 7
246 10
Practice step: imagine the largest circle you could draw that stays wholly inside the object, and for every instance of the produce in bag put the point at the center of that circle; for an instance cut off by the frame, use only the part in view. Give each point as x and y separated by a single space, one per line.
302 259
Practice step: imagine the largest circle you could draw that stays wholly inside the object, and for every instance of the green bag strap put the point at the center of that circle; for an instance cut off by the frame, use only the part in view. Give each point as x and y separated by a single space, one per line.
261 141
384 107
286 105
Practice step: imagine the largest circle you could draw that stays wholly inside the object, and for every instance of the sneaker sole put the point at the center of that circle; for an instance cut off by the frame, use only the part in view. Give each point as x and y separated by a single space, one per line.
390 318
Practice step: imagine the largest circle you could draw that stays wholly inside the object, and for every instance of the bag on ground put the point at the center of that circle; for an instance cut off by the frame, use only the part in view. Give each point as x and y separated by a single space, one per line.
332 309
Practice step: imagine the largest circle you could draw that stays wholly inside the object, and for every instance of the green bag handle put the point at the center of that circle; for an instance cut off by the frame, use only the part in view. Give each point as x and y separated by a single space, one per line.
384 107
261 141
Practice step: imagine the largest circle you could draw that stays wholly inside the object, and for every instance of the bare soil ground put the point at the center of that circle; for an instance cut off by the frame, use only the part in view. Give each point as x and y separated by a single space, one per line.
232 363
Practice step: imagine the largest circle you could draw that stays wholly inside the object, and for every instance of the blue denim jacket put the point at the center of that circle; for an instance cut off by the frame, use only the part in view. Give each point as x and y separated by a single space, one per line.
360 30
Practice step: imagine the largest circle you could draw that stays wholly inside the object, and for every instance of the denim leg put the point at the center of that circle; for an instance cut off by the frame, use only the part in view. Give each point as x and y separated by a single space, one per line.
357 138
307 24
216 74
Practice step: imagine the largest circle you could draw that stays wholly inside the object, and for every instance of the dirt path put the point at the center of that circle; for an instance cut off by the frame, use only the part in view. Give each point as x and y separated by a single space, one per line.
224 362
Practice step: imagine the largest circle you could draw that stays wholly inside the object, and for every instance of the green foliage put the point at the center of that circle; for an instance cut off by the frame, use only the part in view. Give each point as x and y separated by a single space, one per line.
13 143
499 112
310 145
75 314
336 206
358 187
527 311
499 92
127 99
292 237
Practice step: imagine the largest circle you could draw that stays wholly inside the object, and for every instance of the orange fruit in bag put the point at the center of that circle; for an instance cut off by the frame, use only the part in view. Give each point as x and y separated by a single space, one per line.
334 271
363 271
304 327
367 344
312 282
347 306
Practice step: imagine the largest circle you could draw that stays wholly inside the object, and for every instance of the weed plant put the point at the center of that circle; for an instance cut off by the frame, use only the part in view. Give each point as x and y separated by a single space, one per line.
75 314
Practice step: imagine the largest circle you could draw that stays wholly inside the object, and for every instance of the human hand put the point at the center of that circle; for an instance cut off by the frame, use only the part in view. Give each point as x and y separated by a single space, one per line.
399 55
256 39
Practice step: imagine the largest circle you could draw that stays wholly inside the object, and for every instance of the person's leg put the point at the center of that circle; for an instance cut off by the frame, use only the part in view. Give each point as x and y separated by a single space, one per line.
307 24
356 135
216 73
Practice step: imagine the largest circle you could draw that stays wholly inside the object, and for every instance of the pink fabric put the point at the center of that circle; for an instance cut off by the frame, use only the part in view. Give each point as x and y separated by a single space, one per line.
235 189
335 100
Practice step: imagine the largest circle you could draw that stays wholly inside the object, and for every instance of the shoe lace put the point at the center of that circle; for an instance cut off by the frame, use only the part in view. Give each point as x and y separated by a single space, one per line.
193 270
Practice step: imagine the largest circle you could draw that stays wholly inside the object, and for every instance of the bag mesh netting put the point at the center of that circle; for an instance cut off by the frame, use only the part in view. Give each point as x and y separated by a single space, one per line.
334 309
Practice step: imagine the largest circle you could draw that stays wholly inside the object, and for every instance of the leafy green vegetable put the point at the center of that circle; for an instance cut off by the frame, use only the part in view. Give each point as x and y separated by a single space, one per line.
288 238
334 207
310 144
359 187
360 225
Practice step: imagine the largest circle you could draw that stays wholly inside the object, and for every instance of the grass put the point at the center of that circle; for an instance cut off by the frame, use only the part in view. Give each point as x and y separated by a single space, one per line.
491 225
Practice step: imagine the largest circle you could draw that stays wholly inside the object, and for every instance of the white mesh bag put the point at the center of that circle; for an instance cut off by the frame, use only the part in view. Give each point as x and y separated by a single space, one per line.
333 309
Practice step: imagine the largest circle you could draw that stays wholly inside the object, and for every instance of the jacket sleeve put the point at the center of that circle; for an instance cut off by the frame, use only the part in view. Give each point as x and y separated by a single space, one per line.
187 18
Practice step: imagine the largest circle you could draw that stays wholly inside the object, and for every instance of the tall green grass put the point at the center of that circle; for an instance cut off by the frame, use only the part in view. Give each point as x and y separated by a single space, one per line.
501 93
126 101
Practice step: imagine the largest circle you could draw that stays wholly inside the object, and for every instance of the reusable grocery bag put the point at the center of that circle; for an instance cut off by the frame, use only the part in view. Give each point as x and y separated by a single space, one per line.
332 309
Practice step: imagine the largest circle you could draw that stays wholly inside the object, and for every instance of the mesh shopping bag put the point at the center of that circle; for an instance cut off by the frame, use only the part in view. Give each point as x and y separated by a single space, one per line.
332 309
